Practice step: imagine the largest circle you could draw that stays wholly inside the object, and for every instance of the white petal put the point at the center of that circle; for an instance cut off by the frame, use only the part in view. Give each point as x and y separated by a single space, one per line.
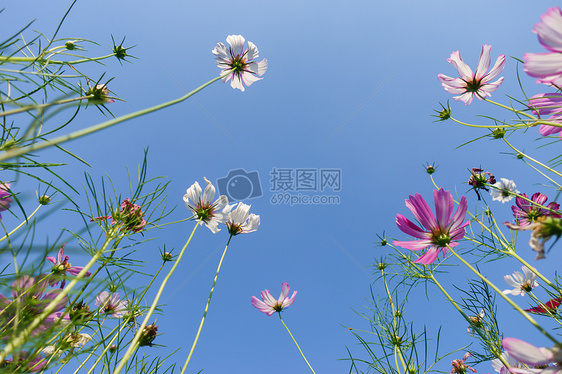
209 193
236 44
252 52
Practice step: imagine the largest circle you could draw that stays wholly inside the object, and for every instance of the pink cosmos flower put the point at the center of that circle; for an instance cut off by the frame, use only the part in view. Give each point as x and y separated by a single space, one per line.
239 61
547 67
61 266
460 367
24 364
526 212
29 301
533 356
111 304
5 197
437 231
548 105
476 84
269 305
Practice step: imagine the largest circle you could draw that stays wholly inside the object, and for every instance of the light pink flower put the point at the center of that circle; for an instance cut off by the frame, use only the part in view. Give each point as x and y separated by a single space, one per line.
111 304
240 62
269 305
548 105
437 231
533 356
476 84
547 67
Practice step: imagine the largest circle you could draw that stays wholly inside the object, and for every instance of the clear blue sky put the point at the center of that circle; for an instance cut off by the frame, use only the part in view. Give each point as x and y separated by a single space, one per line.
350 86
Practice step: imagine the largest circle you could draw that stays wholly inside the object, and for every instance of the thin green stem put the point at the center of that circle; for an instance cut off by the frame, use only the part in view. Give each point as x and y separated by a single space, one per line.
21 224
41 106
397 350
488 126
134 343
14 152
42 60
297 344
509 301
532 159
205 312
512 109
466 317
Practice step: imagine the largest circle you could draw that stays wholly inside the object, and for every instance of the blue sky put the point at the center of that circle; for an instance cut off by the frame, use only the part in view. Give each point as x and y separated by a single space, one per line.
350 86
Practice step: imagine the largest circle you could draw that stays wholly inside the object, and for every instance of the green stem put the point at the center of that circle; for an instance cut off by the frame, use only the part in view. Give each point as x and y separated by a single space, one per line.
488 126
205 312
134 343
297 344
14 152
37 107
532 159
21 224
512 110
41 60
397 350
510 302
467 318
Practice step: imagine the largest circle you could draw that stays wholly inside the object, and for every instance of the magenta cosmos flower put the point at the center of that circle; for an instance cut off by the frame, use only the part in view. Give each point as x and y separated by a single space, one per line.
240 62
61 266
547 67
5 197
470 84
269 305
535 357
437 231
548 104
526 212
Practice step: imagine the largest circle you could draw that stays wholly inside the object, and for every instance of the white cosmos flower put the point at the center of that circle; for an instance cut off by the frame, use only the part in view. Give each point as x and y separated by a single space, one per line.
200 203
504 190
239 220
521 283
239 61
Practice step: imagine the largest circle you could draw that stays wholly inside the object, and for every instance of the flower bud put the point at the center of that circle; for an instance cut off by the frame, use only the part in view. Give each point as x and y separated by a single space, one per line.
70 45
44 200
498 133
167 256
148 335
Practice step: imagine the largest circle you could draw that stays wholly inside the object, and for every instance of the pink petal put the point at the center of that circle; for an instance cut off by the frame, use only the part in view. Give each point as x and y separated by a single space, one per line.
444 206
527 353
541 65
463 69
549 30
409 228
428 257
483 62
414 245
419 207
